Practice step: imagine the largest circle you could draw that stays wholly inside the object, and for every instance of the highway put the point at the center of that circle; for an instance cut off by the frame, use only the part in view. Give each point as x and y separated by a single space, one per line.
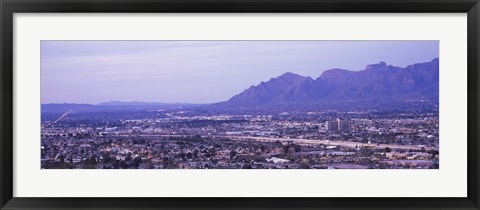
339 143
58 119
348 144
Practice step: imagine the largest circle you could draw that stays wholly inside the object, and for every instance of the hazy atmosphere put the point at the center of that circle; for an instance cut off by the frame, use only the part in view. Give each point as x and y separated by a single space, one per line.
253 105
200 71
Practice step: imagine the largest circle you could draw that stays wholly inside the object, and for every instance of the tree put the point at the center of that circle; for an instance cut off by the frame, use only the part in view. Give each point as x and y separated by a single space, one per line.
116 164
62 159
262 148
298 148
107 158
304 166
233 153
387 149
286 149
136 162
247 166
434 166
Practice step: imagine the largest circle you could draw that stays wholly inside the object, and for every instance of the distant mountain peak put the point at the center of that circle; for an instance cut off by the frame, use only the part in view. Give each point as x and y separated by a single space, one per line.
333 73
378 66
292 76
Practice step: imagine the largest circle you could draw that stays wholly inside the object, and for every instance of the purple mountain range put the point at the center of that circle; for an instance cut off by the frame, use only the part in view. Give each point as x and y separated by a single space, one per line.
414 82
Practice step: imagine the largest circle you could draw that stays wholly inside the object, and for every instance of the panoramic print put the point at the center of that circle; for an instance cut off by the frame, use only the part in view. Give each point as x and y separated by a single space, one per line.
239 105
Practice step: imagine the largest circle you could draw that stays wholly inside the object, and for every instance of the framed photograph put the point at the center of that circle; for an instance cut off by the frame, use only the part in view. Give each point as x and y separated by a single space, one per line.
264 104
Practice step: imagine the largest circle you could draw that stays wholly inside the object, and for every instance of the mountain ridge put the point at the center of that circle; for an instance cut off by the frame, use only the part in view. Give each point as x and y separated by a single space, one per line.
417 81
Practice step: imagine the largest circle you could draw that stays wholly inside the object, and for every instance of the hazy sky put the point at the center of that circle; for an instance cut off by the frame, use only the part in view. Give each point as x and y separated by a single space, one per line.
200 71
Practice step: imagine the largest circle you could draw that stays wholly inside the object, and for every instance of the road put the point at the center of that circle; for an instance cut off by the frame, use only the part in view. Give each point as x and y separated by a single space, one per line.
60 118
339 143
348 144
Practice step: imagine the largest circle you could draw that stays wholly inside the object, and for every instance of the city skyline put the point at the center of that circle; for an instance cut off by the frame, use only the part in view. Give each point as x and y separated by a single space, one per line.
156 71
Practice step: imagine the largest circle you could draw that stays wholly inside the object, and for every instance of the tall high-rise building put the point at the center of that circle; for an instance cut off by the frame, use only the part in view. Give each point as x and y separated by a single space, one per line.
344 125
339 125
332 126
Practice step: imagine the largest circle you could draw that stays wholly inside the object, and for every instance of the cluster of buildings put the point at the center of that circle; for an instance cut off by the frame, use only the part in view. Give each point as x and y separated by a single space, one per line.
169 140
338 125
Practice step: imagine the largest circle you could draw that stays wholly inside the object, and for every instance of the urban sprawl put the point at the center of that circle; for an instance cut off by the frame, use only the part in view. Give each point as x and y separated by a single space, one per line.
188 139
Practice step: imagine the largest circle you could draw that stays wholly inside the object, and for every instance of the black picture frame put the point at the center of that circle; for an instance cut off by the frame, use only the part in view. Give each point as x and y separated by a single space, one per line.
9 7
